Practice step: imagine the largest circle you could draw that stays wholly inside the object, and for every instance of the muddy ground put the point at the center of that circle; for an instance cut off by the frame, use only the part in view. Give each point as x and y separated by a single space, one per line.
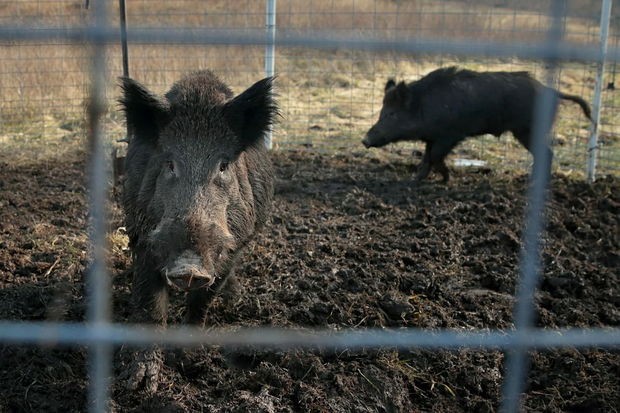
352 243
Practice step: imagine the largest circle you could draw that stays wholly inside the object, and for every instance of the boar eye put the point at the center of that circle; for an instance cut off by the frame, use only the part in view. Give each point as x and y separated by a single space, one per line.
223 166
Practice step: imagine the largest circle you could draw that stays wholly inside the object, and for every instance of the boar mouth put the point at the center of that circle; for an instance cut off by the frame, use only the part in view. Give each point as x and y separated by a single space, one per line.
188 273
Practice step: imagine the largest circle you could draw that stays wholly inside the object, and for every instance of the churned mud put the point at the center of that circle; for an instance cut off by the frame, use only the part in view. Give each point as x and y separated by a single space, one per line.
352 243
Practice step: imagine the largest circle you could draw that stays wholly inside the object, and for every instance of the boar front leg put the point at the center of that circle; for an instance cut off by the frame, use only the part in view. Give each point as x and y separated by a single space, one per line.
443 170
150 298
438 154
198 300
425 166
150 295
197 303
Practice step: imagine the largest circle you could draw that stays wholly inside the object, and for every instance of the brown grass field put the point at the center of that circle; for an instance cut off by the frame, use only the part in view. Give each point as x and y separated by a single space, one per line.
328 98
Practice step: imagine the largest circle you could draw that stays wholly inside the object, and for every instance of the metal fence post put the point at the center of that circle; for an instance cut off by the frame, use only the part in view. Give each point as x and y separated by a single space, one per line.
123 22
98 281
517 360
125 56
270 48
598 87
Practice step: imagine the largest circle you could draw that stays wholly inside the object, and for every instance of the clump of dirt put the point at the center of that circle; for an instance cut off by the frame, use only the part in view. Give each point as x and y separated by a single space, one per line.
353 243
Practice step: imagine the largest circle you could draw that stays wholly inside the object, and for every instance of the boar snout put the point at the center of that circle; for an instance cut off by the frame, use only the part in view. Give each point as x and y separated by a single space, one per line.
371 140
191 253
366 142
188 272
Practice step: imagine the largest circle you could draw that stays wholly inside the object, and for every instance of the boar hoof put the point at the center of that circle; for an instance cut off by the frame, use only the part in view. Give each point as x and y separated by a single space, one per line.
422 172
144 370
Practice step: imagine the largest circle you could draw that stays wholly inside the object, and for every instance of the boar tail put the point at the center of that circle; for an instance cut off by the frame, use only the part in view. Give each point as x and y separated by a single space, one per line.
577 99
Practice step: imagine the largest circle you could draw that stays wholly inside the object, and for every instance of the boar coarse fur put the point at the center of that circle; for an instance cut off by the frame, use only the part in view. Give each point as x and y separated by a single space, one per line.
450 104
199 183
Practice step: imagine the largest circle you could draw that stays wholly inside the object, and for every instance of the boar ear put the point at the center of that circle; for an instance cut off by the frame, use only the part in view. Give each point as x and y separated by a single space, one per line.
145 112
390 84
251 113
397 95
402 92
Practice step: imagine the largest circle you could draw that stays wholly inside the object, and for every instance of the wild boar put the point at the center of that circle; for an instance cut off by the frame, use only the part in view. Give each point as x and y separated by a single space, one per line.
198 186
450 104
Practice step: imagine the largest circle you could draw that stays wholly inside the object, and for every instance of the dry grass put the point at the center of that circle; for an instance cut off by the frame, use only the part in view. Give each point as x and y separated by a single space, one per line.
328 99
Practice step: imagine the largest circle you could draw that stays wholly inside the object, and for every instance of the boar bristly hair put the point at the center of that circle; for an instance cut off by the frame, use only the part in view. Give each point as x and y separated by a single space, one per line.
251 114
145 112
450 104
397 95
198 187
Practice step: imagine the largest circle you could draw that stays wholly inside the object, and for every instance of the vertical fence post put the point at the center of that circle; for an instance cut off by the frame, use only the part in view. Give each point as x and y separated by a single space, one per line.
598 88
125 57
98 281
125 52
517 359
270 48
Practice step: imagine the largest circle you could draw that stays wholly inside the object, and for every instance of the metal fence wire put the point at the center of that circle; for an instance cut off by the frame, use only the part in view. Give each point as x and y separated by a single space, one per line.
327 109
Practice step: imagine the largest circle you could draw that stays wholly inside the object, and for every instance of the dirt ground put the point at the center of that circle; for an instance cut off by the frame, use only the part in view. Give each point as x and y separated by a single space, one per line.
352 243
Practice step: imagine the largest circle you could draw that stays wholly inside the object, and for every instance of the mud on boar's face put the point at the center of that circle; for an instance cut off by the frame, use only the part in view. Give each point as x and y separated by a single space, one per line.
192 190
395 120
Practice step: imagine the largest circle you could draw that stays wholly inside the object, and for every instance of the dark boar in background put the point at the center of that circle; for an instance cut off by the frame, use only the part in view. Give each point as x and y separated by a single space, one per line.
199 184
448 105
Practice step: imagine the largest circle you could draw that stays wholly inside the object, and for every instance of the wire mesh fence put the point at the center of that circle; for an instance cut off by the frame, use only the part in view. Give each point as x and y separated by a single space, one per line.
329 97
332 59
